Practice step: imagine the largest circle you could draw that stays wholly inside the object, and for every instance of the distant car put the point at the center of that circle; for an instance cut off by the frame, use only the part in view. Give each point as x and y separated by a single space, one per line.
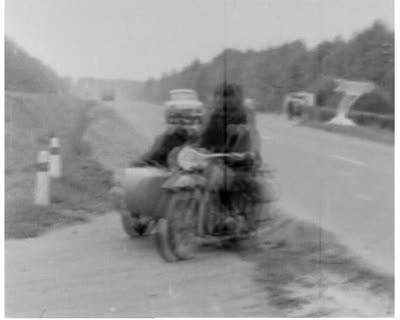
184 108
296 103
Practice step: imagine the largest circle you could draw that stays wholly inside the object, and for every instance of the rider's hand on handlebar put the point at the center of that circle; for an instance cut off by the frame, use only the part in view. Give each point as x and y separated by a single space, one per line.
237 156
241 159
242 155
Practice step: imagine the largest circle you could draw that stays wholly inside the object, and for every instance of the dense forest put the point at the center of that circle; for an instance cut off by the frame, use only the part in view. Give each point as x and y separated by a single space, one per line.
22 72
268 75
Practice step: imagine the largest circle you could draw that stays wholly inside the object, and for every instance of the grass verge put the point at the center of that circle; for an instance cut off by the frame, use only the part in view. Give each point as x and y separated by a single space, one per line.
306 272
83 191
370 133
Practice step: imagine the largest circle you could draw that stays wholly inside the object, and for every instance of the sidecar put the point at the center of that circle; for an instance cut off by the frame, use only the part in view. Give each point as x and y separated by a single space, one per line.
176 204
137 195
141 195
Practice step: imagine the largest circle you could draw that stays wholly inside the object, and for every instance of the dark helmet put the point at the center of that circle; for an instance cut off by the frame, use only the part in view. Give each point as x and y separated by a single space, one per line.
228 103
229 92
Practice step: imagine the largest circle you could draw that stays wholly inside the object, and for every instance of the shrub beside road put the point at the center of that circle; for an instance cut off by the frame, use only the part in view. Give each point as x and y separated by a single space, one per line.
83 190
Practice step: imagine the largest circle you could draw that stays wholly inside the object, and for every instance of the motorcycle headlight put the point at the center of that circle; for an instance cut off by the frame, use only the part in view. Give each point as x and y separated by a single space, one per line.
189 159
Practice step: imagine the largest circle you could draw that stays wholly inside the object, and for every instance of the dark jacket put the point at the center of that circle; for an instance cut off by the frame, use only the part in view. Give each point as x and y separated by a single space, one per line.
231 127
163 145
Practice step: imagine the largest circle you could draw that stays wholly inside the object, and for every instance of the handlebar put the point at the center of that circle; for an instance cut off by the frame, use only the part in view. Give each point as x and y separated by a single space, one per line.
189 157
237 155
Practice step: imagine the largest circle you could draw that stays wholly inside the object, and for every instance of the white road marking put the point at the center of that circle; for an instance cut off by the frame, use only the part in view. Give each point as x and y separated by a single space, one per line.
352 161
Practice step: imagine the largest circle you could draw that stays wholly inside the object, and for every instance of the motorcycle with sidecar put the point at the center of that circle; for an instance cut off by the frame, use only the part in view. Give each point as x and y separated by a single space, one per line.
184 206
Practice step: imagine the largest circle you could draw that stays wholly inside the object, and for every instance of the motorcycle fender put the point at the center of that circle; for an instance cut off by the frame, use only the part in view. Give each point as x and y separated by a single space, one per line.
184 181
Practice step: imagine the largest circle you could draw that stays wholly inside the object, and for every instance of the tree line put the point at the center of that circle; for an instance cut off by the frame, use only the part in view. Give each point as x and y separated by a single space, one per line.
267 75
22 72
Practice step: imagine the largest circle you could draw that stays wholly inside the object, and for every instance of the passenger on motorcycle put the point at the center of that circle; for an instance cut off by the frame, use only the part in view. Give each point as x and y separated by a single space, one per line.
162 146
175 136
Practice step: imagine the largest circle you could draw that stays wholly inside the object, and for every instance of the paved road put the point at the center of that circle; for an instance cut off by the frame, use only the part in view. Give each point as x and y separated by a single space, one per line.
343 184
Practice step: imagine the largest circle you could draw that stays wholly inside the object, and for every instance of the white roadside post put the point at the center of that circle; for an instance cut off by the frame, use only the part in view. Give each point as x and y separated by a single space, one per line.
55 169
42 185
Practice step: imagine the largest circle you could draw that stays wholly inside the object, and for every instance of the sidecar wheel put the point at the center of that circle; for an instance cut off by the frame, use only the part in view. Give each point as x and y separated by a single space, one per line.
132 226
163 241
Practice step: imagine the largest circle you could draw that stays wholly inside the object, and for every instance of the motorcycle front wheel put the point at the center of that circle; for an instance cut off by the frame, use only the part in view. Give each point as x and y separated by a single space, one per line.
176 232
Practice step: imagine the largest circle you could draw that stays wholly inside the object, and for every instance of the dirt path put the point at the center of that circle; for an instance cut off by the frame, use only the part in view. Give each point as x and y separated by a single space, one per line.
94 270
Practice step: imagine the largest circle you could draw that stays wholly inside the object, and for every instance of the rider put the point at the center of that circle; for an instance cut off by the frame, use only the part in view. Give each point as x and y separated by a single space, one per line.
176 135
231 128
164 143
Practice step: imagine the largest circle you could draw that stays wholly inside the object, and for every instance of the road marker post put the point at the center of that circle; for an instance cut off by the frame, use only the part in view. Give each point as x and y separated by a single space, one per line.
55 163
42 184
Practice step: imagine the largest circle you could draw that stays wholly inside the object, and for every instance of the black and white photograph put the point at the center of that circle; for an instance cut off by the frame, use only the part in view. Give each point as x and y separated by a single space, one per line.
199 158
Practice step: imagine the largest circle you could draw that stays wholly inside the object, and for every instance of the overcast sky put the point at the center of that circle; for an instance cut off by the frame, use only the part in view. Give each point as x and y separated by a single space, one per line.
136 39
